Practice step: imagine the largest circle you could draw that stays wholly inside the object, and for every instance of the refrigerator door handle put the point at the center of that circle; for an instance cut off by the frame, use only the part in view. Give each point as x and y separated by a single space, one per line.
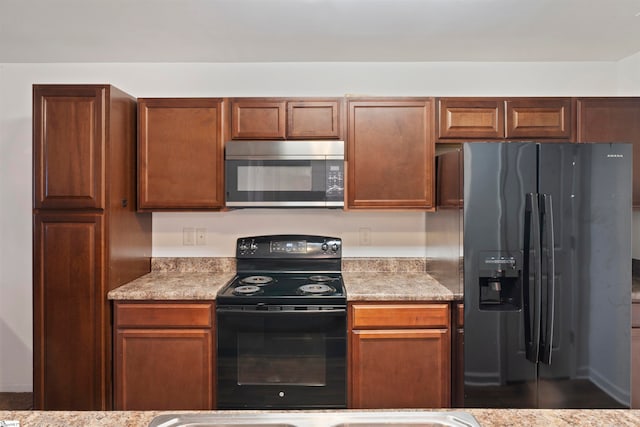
531 326
548 237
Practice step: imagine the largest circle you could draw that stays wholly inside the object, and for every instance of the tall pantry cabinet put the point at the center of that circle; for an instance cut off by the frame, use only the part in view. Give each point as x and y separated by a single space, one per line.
87 238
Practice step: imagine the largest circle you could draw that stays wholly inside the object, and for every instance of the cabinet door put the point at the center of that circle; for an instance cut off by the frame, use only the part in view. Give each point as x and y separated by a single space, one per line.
70 313
258 119
390 152
449 180
400 368
164 369
470 118
539 118
612 120
68 146
180 154
156 340
313 119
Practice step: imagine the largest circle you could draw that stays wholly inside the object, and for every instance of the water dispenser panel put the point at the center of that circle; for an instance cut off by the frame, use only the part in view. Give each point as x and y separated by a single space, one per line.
500 281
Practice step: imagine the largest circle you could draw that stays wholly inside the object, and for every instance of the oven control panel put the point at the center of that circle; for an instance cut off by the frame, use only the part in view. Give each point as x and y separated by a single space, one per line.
289 246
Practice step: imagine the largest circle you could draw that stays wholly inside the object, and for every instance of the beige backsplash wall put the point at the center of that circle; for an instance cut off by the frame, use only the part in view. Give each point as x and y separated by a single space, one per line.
391 234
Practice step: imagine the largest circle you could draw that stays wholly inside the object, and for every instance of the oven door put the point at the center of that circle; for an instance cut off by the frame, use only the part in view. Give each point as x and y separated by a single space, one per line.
281 358
284 183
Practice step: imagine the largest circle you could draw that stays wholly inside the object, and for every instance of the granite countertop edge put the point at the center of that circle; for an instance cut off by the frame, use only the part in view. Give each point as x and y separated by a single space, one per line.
485 417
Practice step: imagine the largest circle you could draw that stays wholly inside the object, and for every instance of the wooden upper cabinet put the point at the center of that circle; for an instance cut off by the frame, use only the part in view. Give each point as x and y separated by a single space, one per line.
313 119
180 154
258 119
390 152
68 146
449 180
269 118
505 118
612 120
471 118
539 118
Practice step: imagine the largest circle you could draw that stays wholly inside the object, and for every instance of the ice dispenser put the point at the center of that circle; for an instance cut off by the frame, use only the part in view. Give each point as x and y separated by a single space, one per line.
500 281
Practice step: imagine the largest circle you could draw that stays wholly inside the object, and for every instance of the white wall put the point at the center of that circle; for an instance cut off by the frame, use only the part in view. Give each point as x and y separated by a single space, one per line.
392 234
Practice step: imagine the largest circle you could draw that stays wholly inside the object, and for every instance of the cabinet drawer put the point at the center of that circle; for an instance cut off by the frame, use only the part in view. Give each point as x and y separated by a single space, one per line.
539 118
471 118
258 119
313 119
635 315
172 315
400 316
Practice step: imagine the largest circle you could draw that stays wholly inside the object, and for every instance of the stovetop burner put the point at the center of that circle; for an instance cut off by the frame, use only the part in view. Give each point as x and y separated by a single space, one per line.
257 280
316 289
247 290
321 278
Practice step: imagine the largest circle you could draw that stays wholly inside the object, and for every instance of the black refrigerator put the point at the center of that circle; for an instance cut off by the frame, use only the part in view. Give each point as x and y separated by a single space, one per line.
539 237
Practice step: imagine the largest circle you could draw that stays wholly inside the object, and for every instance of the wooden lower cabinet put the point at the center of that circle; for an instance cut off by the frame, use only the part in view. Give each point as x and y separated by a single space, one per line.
69 354
164 356
400 356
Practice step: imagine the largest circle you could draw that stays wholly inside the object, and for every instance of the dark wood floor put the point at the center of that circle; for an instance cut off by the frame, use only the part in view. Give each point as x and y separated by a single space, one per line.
16 401
575 394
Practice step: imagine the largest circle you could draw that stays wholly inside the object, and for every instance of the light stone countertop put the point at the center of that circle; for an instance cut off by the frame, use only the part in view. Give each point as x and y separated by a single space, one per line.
361 286
401 286
366 279
171 285
485 417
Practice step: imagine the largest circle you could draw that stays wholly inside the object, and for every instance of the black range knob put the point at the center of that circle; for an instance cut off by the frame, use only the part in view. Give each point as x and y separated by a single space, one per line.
334 247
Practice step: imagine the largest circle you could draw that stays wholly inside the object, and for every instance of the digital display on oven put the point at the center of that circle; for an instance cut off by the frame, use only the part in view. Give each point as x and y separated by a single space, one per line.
289 247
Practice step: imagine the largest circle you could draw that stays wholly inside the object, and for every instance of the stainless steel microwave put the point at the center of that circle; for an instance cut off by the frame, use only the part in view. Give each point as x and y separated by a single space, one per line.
284 174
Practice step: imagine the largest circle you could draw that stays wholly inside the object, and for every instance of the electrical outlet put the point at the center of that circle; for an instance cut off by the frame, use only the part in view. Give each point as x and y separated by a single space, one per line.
201 236
365 236
188 236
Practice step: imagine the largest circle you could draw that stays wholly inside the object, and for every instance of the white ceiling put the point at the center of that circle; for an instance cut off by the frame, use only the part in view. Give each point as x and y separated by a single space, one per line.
317 30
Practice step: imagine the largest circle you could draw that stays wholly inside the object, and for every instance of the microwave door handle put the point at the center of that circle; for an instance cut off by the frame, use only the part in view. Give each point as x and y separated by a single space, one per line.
547 216
531 325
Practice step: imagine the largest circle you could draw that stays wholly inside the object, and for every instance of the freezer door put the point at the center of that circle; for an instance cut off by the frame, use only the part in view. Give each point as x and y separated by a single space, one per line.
498 178
590 189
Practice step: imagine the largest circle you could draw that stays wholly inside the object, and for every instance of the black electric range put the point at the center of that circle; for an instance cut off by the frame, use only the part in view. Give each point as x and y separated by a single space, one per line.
281 325
283 270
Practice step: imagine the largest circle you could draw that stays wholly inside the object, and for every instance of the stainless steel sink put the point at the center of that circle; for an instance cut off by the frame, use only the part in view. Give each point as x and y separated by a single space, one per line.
318 419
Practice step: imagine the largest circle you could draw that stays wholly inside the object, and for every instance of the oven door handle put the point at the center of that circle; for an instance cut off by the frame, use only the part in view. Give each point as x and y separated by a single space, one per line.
272 312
